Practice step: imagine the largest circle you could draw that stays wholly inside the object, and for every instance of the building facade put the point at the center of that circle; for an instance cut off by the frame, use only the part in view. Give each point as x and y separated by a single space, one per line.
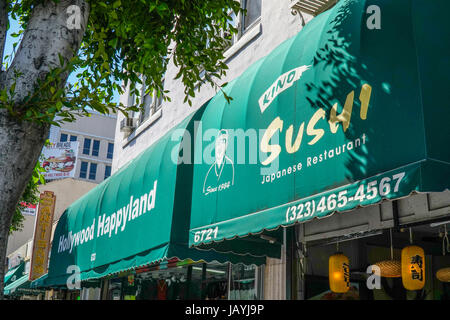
267 25
95 135
361 186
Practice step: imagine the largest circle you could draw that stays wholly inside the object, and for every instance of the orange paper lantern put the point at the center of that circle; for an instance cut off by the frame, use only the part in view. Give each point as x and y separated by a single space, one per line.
443 274
339 273
390 268
413 268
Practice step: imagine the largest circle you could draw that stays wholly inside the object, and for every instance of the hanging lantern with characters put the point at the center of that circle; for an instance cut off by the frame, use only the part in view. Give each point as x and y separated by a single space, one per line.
339 273
413 267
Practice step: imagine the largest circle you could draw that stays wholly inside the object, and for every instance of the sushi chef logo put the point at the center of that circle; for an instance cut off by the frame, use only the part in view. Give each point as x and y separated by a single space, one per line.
220 175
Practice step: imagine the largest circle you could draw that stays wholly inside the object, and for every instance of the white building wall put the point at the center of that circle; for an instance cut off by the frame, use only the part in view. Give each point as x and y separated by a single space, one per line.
96 127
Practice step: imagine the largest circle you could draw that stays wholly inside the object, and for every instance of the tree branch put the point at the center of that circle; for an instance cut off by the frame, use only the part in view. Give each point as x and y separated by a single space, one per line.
3 29
46 38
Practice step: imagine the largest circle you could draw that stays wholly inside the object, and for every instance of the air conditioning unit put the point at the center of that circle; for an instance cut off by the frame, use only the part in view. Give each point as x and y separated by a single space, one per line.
312 7
128 124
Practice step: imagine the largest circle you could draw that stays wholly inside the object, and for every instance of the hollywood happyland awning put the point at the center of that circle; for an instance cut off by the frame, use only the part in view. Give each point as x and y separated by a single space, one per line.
344 114
138 216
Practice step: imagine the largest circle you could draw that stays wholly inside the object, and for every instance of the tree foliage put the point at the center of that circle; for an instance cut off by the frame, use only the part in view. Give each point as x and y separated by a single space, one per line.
30 195
123 41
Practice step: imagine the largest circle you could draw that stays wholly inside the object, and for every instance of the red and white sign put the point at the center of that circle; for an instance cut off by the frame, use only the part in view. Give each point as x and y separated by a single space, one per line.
58 160
28 209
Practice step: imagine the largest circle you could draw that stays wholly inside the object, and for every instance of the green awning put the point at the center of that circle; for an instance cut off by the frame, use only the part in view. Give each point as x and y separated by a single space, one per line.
14 273
44 282
14 287
339 116
138 216
40 282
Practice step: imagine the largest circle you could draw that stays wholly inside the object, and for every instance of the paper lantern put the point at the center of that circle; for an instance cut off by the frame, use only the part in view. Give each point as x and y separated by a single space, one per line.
339 273
413 268
443 274
390 268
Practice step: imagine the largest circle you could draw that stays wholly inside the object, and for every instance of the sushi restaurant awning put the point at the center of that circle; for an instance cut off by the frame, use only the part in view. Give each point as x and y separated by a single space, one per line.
339 116
138 216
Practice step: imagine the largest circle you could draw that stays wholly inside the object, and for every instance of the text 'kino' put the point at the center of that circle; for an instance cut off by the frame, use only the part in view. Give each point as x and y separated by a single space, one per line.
317 133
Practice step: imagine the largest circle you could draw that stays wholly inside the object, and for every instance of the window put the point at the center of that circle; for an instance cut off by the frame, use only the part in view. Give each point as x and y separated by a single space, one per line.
253 13
152 103
63 137
95 148
107 172
87 146
244 22
83 169
110 153
243 282
93 171
73 138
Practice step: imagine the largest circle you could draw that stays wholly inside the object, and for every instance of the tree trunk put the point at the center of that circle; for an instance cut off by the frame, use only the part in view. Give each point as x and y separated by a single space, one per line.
3 244
3 26
20 146
46 38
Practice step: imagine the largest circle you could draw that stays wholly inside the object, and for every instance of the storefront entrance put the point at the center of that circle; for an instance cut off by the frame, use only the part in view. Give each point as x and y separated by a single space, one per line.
370 250
188 281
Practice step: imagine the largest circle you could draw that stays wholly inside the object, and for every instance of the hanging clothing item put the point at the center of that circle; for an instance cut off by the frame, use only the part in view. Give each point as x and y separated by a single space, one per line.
182 291
148 290
217 290
173 292
162 290
222 289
